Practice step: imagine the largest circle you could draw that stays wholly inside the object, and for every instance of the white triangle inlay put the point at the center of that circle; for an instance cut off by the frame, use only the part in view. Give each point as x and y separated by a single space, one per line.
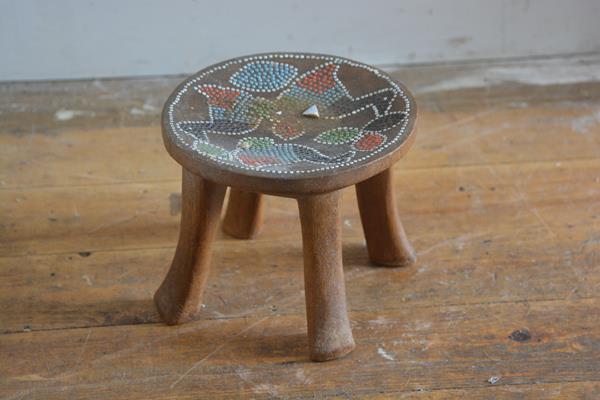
311 112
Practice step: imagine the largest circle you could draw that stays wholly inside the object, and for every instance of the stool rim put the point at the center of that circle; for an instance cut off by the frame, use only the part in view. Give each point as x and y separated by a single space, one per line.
291 185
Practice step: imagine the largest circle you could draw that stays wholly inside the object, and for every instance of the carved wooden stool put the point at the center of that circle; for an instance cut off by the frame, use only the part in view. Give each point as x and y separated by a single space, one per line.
295 125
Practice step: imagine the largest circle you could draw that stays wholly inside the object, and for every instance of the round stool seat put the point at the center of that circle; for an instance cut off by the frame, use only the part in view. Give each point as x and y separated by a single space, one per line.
288 123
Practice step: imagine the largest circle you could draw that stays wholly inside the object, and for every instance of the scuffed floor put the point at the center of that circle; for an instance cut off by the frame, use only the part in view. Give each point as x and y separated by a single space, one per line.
500 196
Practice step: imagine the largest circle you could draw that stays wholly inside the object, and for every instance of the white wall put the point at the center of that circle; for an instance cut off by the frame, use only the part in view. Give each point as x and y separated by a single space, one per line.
56 39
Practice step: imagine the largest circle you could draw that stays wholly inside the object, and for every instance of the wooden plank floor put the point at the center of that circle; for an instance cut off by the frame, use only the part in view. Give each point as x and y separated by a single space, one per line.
500 196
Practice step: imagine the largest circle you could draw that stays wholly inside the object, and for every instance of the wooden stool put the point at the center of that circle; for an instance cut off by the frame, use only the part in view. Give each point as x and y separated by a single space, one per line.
295 125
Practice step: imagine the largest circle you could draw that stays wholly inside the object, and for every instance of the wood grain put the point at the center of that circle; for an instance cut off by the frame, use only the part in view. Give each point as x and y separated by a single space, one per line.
464 256
411 350
64 219
487 135
500 195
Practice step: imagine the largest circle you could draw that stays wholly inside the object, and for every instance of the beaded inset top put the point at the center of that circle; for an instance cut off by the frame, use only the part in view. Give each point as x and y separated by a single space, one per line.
278 114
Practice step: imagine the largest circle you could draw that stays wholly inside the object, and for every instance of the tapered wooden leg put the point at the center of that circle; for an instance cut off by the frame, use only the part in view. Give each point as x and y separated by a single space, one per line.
179 297
386 240
244 216
329 333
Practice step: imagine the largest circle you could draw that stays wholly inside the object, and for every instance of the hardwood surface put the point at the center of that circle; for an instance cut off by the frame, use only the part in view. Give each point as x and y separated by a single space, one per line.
500 196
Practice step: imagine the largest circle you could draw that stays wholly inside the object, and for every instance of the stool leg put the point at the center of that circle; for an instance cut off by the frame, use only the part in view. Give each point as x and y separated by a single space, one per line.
386 240
244 216
179 297
329 333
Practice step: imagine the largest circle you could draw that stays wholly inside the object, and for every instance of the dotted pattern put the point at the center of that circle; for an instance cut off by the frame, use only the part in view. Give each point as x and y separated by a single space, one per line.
385 121
320 80
263 76
338 135
284 154
368 141
319 86
241 114
379 101
286 130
